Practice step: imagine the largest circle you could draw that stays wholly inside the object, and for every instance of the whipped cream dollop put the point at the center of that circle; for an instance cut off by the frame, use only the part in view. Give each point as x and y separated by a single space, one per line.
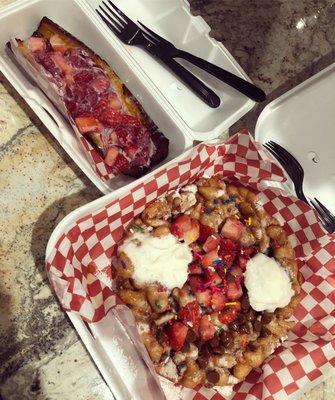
158 259
269 287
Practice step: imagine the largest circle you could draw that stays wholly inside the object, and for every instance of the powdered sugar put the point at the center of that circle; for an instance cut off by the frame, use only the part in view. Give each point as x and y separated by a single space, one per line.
126 368
171 391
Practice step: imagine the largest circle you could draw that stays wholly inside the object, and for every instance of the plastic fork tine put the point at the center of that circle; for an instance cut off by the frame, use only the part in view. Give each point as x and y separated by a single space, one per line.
280 153
288 155
288 158
274 153
114 14
121 14
148 37
108 21
154 36
322 214
325 209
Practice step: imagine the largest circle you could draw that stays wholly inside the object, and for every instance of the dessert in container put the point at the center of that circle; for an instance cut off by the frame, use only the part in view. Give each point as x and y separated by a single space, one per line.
177 112
80 249
79 256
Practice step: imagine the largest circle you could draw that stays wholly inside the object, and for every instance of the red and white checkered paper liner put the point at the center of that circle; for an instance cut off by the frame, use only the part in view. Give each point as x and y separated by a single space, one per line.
79 266
98 164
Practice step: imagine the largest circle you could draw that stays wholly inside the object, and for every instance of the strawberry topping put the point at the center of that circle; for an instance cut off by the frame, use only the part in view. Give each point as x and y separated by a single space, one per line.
209 258
218 300
232 229
90 94
206 329
196 282
185 228
228 250
111 156
177 334
228 315
234 289
204 297
195 268
212 243
205 232
87 124
112 119
190 314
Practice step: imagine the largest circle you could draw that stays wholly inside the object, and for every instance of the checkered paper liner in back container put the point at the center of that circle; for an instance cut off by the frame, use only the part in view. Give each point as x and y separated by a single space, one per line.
79 266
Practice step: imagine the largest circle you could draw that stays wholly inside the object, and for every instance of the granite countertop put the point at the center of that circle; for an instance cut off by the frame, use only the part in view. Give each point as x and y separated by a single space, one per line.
279 43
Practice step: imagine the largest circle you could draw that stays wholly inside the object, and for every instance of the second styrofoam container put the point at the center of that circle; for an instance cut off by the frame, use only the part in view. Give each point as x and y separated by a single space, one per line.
178 113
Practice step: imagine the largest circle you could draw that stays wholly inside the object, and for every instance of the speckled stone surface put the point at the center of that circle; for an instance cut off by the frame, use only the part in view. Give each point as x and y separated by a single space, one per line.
278 43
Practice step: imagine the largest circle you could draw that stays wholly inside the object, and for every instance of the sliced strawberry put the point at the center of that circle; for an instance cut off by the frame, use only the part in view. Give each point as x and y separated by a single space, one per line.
205 232
234 289
190 314
100 84
177 334
204 297
212 278
209 258
36 44
111 156
58 44
212 243
192 235
121 163
242 261
101 105
248 251
83 78
62 63
131 151
245 254
87 124
114 102
181 225
218 301
195 268
232 229
206 329
228 315
236 271
112 119
185 228
196 282
228 250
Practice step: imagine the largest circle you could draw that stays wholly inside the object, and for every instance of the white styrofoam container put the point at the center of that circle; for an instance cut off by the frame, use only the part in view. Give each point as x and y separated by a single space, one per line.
284 120
178 113
303 121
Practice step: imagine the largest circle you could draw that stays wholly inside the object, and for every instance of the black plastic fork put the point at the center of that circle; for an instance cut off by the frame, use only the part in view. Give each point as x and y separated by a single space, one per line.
328 219
296 173
130 33
239 84
291 166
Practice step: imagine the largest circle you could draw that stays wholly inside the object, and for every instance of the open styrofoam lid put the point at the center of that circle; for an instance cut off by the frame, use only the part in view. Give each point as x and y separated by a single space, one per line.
303 121
173 20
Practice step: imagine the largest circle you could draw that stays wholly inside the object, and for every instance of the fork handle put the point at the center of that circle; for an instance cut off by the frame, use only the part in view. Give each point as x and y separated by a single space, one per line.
203 91
243 86
300 194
